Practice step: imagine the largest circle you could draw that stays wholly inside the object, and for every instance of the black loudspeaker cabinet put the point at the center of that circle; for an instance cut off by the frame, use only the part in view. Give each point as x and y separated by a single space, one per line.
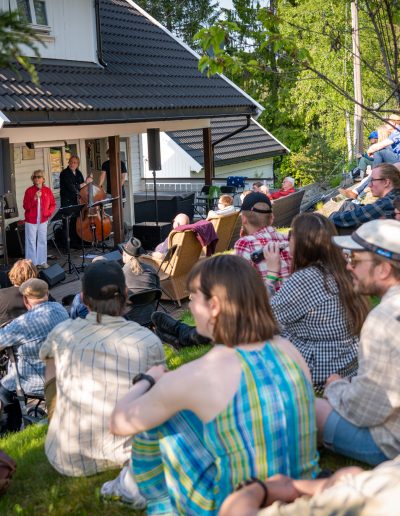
15 235
151 234
153 149
53 275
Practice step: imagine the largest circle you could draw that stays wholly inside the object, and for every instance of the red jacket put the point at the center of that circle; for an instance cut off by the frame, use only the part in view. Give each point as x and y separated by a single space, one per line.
282 193
47 204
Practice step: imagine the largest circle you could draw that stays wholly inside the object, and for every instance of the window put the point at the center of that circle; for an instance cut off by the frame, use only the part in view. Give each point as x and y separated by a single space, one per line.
33 11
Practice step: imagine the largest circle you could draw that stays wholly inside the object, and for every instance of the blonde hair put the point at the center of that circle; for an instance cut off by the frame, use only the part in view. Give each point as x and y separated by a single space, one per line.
135 265
36 173
383 132
21 271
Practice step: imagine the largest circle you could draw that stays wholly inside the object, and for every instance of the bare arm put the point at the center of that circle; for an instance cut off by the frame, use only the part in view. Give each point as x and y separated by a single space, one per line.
379 146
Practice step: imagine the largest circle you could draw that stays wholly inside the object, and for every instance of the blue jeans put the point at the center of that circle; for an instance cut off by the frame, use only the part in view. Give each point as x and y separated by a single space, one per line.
355 442
385 156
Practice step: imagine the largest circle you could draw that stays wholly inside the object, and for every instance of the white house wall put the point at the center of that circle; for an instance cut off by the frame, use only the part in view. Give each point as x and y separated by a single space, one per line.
262 168
72 30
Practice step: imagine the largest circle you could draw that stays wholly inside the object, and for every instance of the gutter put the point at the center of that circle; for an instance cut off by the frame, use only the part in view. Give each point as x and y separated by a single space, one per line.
98 34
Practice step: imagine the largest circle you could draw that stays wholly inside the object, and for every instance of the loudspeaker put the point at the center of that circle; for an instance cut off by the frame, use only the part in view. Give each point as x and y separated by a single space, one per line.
114 256
52 275
153 149
151 234
5 166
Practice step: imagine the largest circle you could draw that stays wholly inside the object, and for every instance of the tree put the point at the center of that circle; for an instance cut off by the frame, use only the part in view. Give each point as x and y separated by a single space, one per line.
185 17
14 33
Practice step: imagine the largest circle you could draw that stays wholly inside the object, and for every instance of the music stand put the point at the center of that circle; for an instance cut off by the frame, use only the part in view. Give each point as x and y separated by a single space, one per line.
66 213
101 205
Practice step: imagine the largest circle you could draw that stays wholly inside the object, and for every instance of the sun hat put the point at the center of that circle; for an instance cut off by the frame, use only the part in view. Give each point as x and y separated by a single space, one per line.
381 237
100 276
254 198
133 247
34 288
373 135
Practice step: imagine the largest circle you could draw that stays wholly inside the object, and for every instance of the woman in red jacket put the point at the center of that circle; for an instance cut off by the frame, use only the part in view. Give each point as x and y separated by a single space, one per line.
39 205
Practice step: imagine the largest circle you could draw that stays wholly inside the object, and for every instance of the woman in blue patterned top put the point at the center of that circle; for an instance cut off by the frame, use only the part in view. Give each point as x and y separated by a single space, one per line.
245 409
317 308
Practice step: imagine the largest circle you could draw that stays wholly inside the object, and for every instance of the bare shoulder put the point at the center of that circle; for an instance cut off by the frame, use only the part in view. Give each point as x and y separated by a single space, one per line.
289 349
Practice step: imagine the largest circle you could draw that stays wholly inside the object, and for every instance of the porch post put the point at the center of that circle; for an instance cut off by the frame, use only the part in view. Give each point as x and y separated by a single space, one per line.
115 175
208 156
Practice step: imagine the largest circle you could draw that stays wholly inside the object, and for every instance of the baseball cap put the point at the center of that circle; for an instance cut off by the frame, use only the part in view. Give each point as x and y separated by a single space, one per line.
100 276
381 237
34 288
254 198
372 135
133 247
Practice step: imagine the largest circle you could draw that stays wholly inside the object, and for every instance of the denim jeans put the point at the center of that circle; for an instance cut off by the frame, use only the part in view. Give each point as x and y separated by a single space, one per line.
355 442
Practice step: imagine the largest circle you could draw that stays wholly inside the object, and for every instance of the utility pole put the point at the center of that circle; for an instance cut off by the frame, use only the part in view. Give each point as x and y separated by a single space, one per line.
358 128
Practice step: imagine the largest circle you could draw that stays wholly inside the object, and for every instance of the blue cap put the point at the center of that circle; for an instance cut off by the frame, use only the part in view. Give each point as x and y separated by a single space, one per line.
374 134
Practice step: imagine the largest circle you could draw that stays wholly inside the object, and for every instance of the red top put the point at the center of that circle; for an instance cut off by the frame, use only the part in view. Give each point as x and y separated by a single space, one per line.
282 193
47 204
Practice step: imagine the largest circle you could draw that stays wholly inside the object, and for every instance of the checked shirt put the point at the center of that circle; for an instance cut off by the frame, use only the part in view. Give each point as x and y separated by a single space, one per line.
312 317
27 333
381 209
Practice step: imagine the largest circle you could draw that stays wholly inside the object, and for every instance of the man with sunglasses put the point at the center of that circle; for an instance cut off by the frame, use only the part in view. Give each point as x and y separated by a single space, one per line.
361 418
384 184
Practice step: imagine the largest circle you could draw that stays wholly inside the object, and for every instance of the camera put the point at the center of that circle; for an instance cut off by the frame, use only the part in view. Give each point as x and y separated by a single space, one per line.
258 256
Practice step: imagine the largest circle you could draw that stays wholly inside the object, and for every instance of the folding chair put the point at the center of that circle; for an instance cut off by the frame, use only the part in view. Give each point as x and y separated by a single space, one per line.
143 304
202 204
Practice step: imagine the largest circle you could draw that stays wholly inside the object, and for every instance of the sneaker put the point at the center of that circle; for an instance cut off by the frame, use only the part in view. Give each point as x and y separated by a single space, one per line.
44 265
124 489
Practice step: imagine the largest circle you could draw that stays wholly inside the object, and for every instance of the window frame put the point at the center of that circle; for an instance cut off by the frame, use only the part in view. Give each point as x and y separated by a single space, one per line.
32 12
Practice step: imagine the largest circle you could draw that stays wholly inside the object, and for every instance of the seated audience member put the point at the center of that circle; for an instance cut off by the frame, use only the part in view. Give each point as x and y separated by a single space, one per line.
11 300
388 149
225 207
78 307
396 206
384 184
349 492
317 308
257 219
93 362
27 333
256 186
287 189
180 220
138 276
361 418
248 401
244 194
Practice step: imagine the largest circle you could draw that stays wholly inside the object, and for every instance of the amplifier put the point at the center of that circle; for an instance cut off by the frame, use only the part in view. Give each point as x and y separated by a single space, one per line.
151 234
53 275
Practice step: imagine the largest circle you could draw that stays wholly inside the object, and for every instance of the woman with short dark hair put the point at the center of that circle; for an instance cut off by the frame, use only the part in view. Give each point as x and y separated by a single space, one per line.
317 307
243 410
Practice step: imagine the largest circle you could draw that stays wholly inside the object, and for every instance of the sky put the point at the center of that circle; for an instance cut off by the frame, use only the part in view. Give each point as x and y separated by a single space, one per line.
225 3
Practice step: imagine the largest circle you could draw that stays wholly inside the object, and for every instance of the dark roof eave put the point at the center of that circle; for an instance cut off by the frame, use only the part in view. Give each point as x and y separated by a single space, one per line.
50 118
254 157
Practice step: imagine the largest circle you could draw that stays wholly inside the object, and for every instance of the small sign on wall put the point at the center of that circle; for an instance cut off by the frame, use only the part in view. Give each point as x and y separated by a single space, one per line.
28 153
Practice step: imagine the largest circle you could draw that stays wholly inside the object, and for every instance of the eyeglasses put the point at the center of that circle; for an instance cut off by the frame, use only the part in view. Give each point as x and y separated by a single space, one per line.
377 179
352 261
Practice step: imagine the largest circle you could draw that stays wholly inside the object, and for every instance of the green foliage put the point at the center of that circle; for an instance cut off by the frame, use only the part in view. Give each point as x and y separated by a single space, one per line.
184 18
14 32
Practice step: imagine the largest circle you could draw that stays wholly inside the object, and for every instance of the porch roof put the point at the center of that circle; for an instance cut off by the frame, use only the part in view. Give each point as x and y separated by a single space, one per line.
150 75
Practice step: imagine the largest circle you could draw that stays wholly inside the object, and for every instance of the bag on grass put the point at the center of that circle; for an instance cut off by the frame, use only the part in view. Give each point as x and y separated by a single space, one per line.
7 469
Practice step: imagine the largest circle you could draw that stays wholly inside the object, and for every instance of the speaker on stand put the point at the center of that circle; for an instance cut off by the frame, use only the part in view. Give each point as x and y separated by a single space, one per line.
154 156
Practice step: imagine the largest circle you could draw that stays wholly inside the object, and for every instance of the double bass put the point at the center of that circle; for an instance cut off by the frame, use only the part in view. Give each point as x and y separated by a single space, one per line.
95 224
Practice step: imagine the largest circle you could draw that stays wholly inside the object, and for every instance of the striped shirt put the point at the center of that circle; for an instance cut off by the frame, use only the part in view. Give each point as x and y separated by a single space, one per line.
246 245
95 364
27 333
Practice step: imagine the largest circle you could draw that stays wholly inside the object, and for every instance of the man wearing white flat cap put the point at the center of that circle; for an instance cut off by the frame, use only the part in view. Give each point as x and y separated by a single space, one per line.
361 418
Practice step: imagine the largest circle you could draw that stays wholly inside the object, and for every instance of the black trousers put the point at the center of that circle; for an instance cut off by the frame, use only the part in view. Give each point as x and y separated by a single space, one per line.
11 412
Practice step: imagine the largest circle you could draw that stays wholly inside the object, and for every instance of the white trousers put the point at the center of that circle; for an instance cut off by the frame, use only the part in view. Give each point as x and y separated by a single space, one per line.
36 242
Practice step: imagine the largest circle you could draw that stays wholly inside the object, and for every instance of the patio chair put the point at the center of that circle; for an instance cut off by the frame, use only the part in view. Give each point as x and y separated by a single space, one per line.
141 305
224 226
235 233
173 273
286 208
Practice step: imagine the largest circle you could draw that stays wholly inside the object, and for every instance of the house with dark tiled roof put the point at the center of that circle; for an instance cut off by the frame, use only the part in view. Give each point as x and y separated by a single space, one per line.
108 72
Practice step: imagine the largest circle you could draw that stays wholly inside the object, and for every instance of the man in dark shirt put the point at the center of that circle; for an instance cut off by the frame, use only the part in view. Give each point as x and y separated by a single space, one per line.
71 181
106 174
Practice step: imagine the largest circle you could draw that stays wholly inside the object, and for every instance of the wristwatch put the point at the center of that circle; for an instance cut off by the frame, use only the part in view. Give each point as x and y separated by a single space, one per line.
144 376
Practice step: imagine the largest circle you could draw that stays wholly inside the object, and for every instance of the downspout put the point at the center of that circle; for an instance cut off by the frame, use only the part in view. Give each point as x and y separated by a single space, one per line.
226 137
98 34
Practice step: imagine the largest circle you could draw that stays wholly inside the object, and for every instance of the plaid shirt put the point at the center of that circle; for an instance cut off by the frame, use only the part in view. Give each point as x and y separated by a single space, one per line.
250 243
312 317
381 209
372 399
27 333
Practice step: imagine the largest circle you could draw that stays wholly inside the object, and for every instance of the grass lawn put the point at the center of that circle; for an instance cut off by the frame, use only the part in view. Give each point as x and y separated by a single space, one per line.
38 489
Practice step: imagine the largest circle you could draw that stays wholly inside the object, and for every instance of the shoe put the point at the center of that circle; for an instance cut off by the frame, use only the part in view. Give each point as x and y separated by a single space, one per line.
176 333
123 489
348 192
44 265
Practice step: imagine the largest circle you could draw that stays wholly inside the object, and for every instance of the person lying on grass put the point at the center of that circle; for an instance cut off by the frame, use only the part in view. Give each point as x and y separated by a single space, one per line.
249 401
